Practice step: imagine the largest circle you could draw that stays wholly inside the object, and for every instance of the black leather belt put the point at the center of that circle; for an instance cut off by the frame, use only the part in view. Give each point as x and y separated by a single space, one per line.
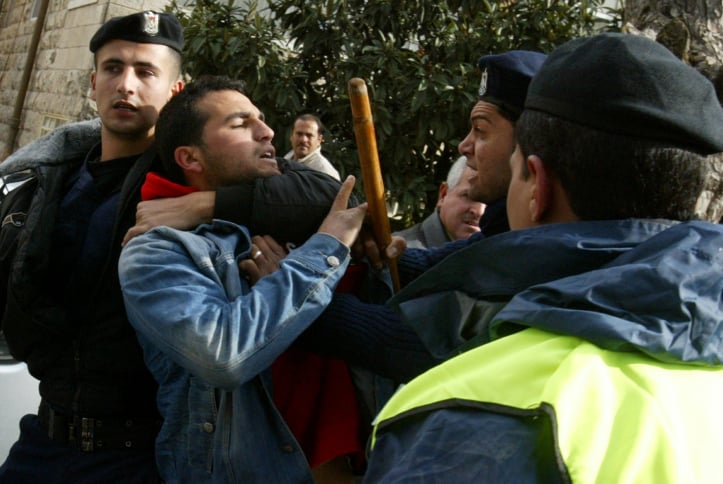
91 434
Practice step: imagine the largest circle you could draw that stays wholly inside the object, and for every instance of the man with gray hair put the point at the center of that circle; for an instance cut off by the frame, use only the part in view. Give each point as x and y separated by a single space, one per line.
456 215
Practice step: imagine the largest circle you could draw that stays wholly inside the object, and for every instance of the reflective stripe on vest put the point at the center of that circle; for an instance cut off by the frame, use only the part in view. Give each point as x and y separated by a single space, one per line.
620 417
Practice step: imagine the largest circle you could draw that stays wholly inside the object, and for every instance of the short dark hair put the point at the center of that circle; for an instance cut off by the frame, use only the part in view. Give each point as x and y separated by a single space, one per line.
177 64
181 122
311 117
612 176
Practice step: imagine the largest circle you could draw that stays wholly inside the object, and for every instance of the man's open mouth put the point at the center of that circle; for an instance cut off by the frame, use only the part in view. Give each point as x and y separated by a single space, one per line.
125 106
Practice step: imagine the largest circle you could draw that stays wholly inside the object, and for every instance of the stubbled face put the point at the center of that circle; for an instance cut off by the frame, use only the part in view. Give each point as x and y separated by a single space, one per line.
305 138
519 194
488 147
236 141
458 212
130 85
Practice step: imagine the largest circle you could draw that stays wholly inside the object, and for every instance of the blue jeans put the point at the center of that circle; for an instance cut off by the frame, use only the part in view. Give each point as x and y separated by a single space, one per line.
36 458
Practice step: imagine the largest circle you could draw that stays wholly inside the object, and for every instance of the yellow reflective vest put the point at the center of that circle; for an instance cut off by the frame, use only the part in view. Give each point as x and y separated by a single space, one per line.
619 417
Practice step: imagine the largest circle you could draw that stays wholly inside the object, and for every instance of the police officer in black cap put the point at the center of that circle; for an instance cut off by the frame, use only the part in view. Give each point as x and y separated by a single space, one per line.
138 67
605 361
491 139
64 313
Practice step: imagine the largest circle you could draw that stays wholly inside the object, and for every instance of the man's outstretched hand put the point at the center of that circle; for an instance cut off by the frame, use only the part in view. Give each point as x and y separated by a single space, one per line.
344 223
351 226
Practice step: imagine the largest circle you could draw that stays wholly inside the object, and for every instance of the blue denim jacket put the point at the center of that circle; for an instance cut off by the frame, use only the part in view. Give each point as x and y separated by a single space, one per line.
209 339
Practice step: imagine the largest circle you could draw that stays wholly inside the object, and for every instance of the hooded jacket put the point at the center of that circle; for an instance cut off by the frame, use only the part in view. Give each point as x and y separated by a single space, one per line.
647 288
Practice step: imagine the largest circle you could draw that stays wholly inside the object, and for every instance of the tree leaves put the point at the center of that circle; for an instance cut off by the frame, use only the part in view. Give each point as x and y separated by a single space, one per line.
418 58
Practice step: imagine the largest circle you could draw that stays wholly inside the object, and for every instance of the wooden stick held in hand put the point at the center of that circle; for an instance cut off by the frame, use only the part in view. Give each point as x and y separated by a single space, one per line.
366 142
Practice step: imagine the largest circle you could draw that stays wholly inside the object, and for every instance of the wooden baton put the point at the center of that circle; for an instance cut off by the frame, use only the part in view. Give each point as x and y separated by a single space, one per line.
366 142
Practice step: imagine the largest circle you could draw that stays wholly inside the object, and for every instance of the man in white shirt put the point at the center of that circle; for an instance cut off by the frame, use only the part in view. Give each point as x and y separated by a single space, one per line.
306 138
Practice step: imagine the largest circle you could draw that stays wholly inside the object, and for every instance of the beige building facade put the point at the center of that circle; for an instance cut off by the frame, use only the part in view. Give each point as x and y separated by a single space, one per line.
45 64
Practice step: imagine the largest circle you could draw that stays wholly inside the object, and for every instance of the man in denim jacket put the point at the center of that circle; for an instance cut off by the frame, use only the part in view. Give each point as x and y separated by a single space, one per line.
209 338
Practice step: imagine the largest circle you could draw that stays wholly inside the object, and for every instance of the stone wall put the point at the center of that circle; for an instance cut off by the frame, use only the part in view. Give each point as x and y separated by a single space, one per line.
59 86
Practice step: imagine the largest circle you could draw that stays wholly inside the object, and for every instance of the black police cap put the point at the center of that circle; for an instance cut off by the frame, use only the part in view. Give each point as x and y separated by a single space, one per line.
144 27
629 85
505 78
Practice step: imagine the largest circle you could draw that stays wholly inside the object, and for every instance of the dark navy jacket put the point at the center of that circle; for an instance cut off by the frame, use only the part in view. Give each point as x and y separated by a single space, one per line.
630 285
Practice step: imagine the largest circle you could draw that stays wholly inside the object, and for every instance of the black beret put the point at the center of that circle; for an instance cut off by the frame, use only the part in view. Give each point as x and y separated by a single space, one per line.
505 78
629 85
144 27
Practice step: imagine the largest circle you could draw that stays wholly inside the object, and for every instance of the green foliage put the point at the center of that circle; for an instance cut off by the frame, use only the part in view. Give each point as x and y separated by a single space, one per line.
418 59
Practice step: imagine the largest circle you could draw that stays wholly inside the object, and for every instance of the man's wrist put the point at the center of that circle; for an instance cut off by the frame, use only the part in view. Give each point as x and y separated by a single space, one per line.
204 203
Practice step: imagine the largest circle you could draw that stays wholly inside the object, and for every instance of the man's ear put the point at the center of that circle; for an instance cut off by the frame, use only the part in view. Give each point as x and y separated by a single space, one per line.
541 197
177 87
443 187
92 85
189 158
